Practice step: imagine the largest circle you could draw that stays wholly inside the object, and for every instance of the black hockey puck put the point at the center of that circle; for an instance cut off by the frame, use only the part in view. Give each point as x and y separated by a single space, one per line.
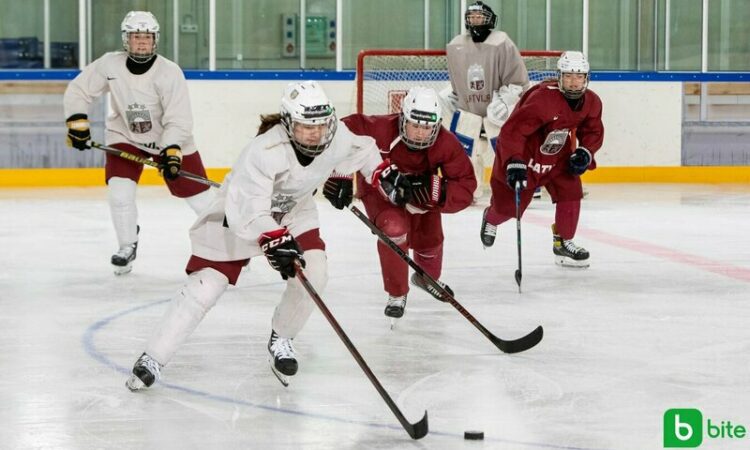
474 435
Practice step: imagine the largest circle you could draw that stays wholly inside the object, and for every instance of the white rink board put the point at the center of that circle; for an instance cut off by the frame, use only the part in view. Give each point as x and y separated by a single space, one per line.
642 120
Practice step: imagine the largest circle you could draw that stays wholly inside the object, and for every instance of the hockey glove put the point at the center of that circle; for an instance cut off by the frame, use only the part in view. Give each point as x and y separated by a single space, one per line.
171 162
339 190
515 172
428 190
78 131
391 183
281 250
579 161
503 101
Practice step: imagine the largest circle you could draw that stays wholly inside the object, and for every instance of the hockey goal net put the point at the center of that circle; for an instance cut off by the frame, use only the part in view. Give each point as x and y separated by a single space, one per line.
384 76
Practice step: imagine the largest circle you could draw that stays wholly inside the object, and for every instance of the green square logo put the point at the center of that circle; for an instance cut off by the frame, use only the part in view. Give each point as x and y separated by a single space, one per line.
683 428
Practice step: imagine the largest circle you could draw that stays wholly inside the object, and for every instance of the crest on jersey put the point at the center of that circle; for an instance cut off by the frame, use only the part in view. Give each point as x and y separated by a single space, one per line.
280 205
475 77
139 118
554 142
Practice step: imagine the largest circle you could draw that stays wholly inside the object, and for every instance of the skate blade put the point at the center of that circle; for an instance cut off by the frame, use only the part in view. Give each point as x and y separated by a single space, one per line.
283 379
135 384
572 263
394 321
122 270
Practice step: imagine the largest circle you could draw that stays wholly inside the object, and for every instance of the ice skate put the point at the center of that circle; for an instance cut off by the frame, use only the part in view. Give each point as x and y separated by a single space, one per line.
122 261
537 193
282 358
395 308
488 232
419 281
567 253
146 372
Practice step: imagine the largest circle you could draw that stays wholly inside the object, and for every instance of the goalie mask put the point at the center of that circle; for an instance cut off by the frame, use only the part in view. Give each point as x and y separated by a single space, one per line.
139 22
479 20
572 62
420 109
305 103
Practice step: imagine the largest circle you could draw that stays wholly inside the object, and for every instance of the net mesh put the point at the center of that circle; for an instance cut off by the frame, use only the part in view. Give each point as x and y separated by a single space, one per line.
384 77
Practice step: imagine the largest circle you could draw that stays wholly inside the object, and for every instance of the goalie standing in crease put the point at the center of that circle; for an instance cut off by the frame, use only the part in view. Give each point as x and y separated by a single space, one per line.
487 75
266 207
151 107
535 149
441 179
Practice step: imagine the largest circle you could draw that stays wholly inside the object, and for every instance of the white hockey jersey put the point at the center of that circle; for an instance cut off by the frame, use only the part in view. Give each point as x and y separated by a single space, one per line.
268 189
152 109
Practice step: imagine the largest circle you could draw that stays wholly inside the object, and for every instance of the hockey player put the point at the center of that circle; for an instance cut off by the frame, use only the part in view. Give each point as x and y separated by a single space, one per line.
151 118
442 181
535 150
487 75
266 207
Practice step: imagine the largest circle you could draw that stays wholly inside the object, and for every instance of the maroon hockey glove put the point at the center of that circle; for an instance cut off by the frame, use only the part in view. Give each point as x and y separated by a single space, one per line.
281 250
428 190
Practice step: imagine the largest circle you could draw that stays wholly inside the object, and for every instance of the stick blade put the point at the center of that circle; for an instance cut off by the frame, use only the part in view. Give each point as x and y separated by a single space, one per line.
520 344
419 429
519 275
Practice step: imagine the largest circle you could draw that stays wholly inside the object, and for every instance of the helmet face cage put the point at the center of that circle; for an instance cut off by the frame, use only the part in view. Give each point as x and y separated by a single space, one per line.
306 104
420 107
572 62
489 17
139 22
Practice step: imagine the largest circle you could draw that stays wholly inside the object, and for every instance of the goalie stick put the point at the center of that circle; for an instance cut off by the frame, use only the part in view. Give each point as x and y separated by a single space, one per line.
147 162
417 430
506 346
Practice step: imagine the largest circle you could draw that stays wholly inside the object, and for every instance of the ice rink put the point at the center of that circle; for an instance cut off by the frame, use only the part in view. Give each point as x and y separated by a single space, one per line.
658 321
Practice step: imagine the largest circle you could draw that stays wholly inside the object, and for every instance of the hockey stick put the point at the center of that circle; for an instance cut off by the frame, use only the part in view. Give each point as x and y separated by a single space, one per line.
145 161
417 430
506 346
518 233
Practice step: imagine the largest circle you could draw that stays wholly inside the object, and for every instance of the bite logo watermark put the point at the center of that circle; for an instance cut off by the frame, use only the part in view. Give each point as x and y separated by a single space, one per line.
685 427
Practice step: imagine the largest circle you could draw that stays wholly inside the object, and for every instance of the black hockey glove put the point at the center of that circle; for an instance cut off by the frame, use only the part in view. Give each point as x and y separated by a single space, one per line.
391 183
579 161
515 172
171 162
281 250
339 190
79 133
428 190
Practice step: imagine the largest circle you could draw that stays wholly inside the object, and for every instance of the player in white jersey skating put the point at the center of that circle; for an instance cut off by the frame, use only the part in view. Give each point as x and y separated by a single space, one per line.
151 117
487 75
266 207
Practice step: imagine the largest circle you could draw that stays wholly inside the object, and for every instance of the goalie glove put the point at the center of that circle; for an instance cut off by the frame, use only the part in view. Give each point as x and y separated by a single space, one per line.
78 131
392 184
448 100
281 250
515 172
579 161
428 193
503 101
339 190
171 162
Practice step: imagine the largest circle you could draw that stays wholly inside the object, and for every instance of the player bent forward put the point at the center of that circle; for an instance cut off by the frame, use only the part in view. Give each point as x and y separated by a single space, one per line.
266 208
534 149
442 181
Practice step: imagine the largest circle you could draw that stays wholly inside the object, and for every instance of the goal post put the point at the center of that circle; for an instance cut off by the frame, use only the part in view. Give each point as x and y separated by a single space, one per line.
385 75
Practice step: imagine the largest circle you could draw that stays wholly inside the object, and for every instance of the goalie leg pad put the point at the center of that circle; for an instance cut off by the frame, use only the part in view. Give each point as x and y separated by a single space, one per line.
467 127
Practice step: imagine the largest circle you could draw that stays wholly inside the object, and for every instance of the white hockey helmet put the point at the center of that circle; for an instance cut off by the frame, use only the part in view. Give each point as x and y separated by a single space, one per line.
421 107
572 62
306 103
139 22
